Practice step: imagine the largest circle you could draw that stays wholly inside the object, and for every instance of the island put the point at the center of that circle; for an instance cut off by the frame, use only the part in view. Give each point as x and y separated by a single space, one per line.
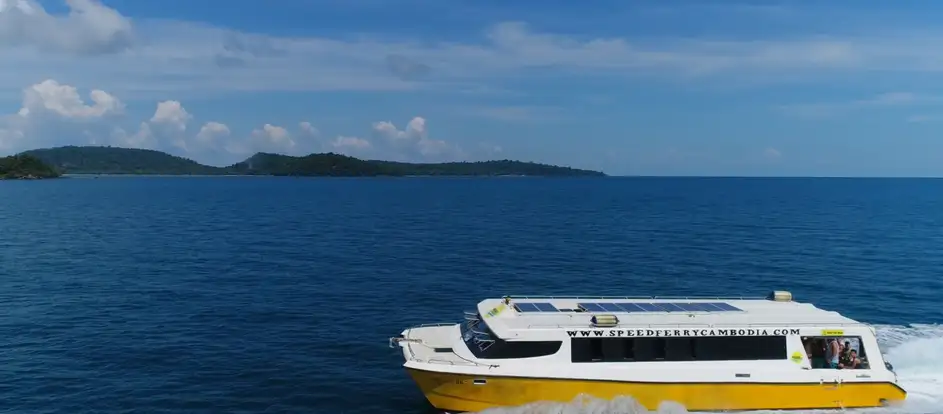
25 167
116 160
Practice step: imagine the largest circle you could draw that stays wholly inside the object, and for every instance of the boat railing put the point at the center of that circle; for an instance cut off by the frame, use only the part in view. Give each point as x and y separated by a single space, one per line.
433 325
530 297
448 362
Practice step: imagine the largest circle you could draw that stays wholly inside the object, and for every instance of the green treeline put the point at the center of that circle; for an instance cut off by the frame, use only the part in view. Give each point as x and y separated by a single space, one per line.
113 160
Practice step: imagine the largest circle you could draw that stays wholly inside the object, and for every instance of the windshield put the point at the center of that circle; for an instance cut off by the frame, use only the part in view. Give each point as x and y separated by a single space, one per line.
476 334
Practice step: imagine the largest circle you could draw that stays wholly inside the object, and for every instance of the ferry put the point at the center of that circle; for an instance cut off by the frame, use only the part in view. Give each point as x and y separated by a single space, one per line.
708 354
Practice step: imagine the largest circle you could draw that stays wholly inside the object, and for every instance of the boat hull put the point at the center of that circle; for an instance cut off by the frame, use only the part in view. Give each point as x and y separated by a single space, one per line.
464 393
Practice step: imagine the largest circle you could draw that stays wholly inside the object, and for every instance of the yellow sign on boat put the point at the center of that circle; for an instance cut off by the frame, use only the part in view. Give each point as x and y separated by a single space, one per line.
496 310
833 332
797 357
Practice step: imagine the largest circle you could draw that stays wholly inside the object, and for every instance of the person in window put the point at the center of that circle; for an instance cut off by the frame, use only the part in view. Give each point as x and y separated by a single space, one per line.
850 361
832 354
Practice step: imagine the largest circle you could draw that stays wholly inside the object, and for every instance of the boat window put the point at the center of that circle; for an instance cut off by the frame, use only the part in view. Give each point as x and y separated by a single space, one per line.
649 349
747 348
485 345
726 348
679 349
852 354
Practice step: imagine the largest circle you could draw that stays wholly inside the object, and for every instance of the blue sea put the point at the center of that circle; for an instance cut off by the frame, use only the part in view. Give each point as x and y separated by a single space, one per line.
277 295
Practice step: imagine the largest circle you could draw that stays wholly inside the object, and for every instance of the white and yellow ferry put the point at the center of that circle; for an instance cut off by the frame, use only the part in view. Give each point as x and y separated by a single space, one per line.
707 354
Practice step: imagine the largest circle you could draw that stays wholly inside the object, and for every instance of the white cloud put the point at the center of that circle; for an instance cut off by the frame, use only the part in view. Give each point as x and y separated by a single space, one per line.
272 138
344 144
146 56
54 114
415 130
65 101
212 131
414 140
772 153
309 129
88 28
171 114
143 138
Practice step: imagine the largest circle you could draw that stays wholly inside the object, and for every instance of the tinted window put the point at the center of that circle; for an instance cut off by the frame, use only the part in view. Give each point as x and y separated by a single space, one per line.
485 345
679 349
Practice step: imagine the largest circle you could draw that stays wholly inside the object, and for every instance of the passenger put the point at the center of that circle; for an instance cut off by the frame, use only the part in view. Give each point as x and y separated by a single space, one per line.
851 361
832 353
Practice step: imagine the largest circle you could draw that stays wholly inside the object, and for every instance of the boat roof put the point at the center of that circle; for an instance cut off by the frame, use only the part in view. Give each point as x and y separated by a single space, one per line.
522 313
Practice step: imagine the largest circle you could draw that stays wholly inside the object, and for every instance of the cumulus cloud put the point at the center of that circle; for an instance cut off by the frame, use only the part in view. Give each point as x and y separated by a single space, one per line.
54 114
171 114
414 139
212 131
309 129
65 101
273 137
346 144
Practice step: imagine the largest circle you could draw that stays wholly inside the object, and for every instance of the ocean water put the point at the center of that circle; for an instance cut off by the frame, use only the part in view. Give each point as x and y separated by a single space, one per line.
277 295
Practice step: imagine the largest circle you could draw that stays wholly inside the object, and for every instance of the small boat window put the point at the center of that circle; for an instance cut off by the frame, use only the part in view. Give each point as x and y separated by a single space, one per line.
851 353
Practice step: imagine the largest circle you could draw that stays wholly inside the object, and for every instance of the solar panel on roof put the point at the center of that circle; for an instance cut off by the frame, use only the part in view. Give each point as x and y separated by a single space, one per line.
527 307
592 307
701 307
672 307
546 307
686 307
630 307
536 307
658 307
726 306
648 307
610 307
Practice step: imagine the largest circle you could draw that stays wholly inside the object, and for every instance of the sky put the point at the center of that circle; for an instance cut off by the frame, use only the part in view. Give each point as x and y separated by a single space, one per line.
675 87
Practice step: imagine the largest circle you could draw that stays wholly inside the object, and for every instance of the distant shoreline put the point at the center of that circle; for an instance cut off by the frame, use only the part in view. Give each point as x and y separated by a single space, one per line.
116 161
131 175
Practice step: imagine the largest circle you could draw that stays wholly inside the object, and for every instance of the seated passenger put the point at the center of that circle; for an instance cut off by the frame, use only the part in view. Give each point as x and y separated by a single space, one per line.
851 361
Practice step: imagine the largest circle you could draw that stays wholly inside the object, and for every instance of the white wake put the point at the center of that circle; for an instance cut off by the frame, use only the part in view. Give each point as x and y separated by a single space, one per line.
916 351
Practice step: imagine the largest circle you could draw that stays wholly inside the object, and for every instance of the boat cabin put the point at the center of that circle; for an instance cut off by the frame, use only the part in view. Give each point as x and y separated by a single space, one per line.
618 330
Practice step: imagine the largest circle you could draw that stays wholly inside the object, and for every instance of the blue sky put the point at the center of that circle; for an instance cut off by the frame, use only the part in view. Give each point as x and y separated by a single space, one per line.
643 88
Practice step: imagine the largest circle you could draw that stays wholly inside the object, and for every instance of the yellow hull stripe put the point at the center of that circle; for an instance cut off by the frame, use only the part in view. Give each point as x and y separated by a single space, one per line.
460 393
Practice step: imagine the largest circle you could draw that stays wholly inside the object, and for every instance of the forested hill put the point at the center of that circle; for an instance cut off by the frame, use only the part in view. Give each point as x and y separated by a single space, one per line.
342 165
114 160
25 167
